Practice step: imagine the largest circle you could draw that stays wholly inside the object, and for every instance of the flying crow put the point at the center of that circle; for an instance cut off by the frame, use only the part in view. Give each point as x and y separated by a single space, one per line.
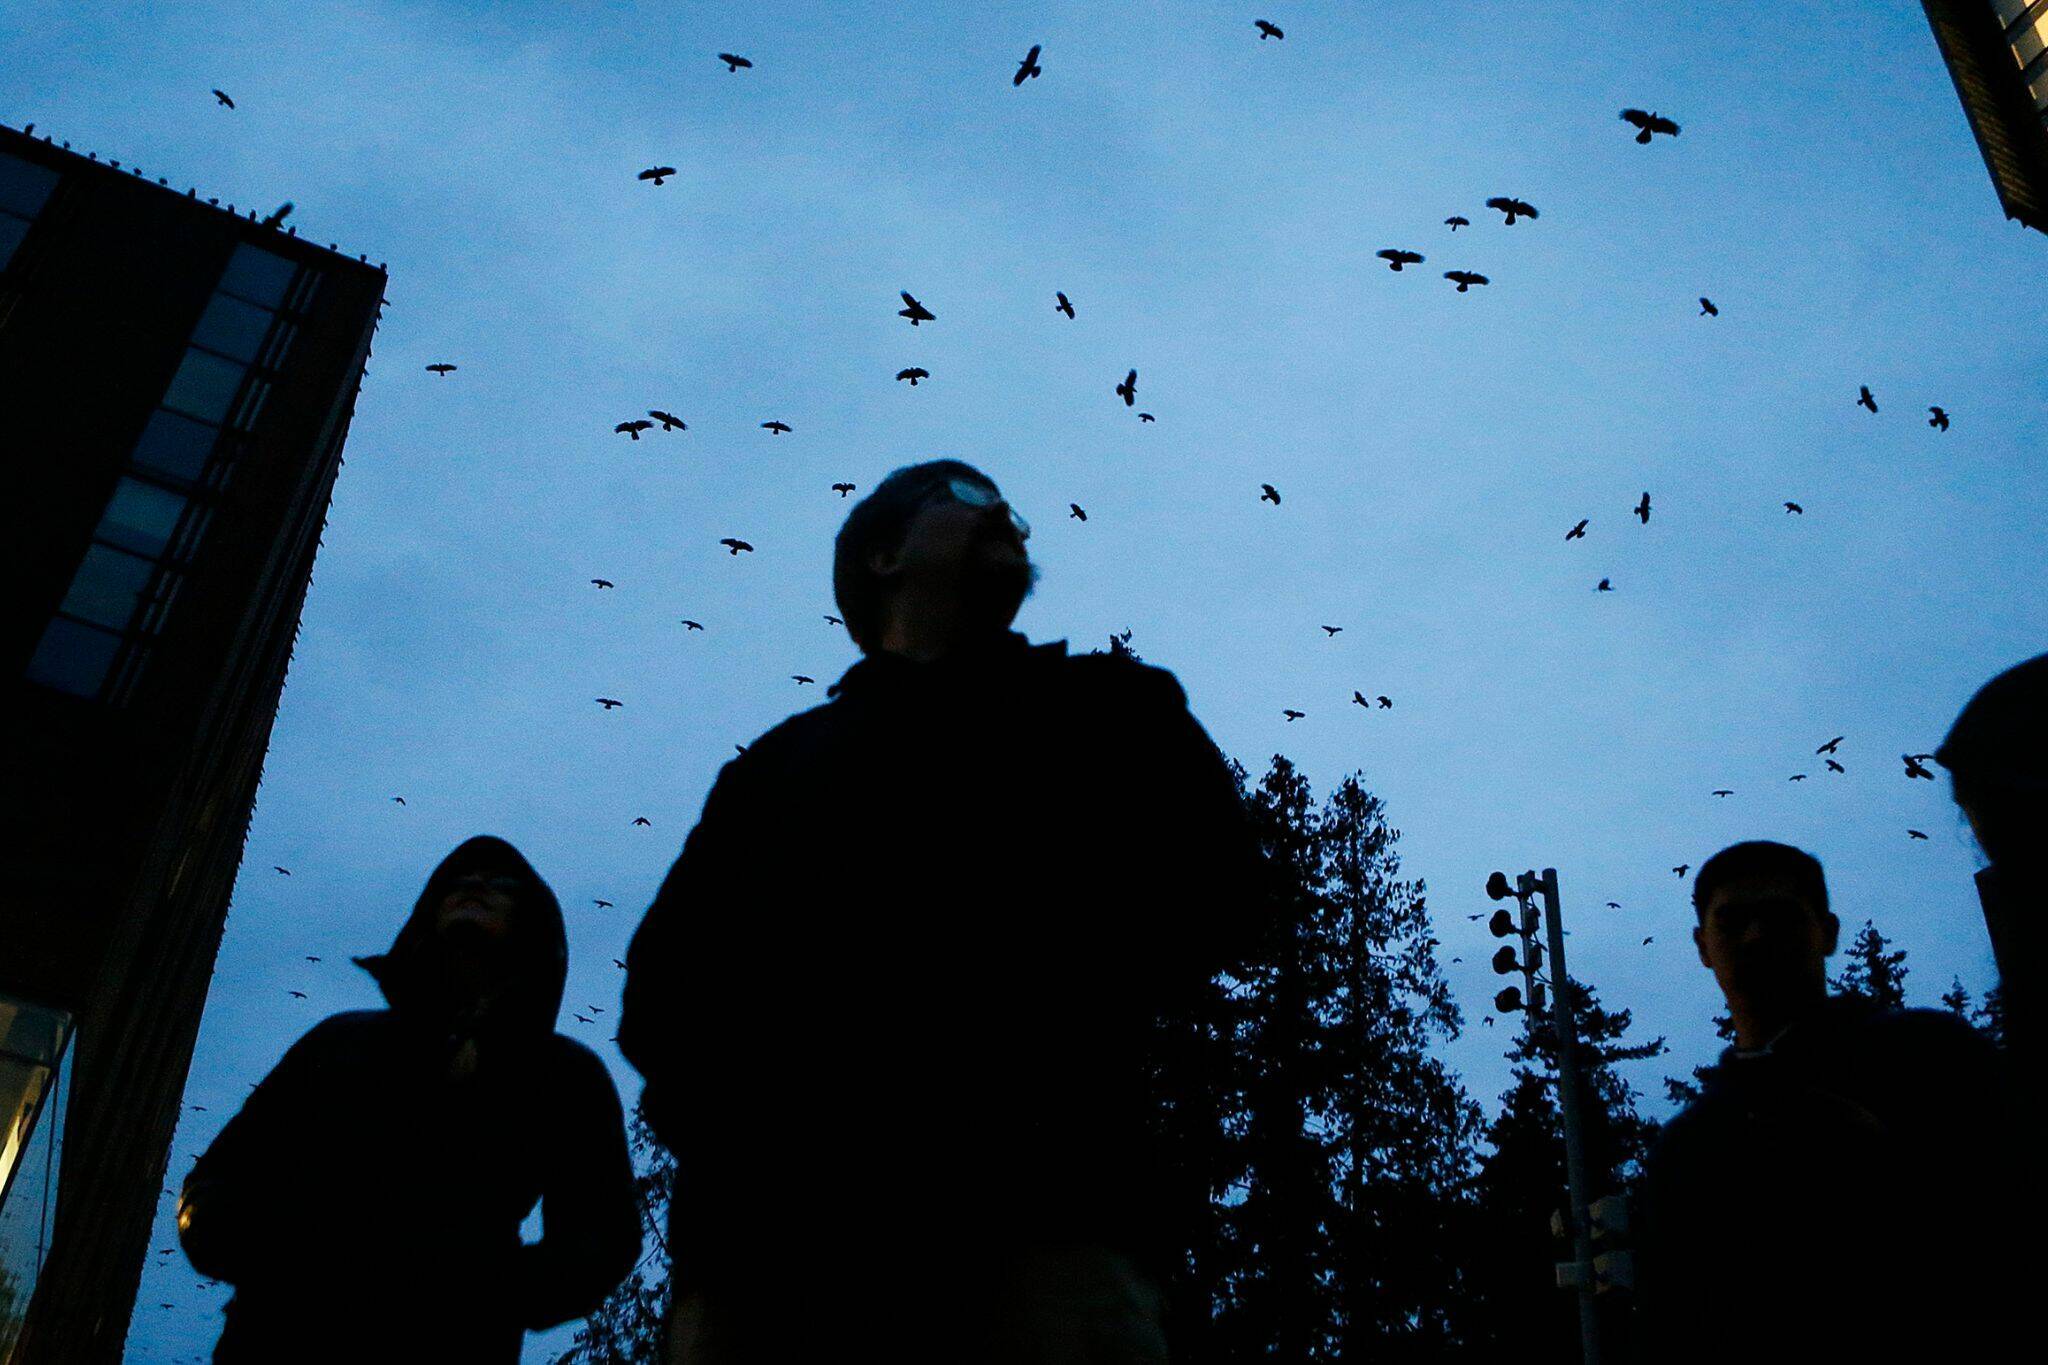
1649 123
1028 68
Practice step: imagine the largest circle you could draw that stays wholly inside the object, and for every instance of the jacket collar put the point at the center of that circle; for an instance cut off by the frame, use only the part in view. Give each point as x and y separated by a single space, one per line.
882 673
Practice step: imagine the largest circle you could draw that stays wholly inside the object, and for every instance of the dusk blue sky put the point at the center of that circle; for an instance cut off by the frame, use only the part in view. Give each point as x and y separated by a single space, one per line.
1210 203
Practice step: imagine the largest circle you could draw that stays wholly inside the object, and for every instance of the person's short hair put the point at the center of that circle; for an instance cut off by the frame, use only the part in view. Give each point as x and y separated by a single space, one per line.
1760 858
1997 758
877 522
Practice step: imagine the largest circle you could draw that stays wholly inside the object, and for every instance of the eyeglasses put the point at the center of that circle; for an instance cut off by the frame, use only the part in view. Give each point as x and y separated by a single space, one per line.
981 495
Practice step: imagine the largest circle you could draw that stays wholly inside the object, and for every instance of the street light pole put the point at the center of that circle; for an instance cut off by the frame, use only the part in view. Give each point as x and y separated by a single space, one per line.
1570 1100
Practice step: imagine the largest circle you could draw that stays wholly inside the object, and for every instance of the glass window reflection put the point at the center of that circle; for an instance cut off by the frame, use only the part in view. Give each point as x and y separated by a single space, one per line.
204 386
25 186
73 657
257 275
12 230
140 517
107 587
175 445
232 327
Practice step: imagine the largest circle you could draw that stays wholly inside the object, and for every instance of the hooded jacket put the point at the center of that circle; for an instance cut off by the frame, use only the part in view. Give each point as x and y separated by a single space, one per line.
366 1203
1842 1194
895 1000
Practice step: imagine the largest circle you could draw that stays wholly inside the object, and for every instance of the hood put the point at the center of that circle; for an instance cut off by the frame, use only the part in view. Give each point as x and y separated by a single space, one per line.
882 672
411 973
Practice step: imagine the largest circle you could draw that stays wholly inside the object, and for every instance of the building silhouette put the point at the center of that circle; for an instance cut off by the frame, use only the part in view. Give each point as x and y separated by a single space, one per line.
1997 53
176 382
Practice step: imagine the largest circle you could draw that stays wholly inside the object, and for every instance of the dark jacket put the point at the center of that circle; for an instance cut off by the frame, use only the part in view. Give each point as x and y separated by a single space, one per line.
894 1001
366 1206
1844 1194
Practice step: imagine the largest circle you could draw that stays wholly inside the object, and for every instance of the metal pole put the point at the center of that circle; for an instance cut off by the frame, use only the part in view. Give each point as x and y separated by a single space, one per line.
1562 1020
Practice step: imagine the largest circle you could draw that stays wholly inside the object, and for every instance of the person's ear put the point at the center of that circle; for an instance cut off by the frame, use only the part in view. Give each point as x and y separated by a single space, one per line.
1830 931
1699 942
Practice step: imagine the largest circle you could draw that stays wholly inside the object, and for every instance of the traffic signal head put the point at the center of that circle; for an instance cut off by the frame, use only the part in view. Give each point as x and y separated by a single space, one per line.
1497 886
1502 924
1504 960
1508 1001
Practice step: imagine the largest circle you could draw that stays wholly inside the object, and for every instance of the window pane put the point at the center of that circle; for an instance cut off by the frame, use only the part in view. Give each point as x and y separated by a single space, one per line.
140 517
233 327
108 585
257 275
175 445
73 657
24 185
204 386
12 230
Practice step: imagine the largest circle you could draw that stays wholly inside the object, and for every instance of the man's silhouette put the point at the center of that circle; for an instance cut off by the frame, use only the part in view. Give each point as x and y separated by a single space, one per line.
1837 1191
897 1000
366 1201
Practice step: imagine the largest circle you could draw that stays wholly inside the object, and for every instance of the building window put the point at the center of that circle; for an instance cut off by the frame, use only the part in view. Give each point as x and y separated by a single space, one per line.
232 327
140 517
74 657
204 386
35 1087
12 230
175 445
259 276
24 188
108 586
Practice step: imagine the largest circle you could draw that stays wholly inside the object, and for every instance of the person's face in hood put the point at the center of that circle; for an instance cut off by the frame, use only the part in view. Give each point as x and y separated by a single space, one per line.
478 905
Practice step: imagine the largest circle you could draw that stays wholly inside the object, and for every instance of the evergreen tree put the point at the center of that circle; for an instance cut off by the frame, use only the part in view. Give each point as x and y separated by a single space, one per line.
1990 1016
1874 970
1956 1000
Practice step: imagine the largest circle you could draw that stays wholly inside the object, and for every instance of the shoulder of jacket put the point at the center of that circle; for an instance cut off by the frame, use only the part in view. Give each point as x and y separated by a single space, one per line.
1119 672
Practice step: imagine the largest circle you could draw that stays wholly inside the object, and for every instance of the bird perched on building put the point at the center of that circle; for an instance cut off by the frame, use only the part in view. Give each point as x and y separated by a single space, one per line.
913 374
1293 715
775 428
1512 208
443 369
1028 69
1267 30
733 63
914 310
1456 221
1863 398
1794 509
842 489
1465 279
1074 512
277 215
1578 532
1649 123
601 583
658 174
1332 631
221 97
1604 585
1939 420
1707 309
691 625
1062 306
734 545
1128 390
610 703
1268 493
669 421
1914 766
1395 258
634 427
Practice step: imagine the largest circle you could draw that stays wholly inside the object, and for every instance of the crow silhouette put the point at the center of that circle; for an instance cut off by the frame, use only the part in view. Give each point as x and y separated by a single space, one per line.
842 489
1074 512
658 174
832 620
601 583
311 958
734 545
692 624
1863 398
913 375
1648 939
1267 30
1794 509
643 820
1649 123
1939 420
1332 630
669 421
914 310
1914 766
1062 306
1512 208
1578 532
1707 309
775 428
1724 792
444 369
1796 777
600 903
1146 417
1455 221
1358 699
1642 509
634 428
610 703
399 799
801 678
733 63
1604 585
1386 703
296 995
1835 767
1128 390
277 215
1395 258
620 965
1268 493
285 870
1465 279
1831 745
1028 68
1682 869
1914 834
581 1019
1293 715
220 97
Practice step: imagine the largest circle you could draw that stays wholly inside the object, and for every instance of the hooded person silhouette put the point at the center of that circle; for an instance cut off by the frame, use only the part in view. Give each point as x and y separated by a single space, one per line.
366 1201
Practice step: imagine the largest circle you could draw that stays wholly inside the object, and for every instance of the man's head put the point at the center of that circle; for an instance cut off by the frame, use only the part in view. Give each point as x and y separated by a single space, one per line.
1765 930
934 538
1997 757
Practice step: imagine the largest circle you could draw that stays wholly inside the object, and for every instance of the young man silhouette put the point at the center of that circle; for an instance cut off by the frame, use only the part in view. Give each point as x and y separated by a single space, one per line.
1836 1190
899 1002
